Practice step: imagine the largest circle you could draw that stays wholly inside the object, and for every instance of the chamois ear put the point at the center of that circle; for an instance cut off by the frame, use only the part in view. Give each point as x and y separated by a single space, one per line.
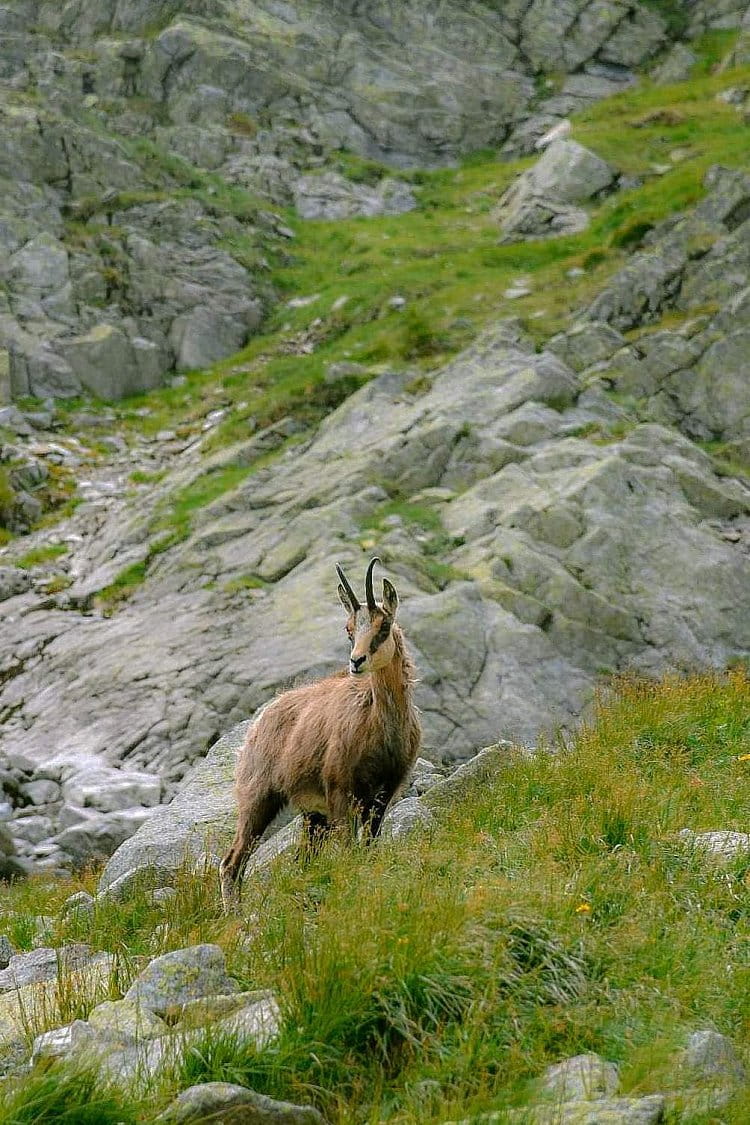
390 598
344 599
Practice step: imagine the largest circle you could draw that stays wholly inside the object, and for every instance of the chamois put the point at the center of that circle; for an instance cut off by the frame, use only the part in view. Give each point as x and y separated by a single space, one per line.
338 749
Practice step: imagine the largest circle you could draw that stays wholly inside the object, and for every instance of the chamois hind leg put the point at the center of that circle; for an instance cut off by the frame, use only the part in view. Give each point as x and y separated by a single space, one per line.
315 828
373 812
256 811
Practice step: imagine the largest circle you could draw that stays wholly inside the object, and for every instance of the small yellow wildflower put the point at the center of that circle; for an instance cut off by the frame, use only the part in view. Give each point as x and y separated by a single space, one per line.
583 908
744 758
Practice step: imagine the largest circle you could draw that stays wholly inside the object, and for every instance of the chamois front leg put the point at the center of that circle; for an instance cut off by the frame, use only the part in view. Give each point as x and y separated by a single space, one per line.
344 812
257 808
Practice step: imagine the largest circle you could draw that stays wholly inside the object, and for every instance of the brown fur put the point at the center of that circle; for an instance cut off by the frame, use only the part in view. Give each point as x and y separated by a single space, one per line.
338 749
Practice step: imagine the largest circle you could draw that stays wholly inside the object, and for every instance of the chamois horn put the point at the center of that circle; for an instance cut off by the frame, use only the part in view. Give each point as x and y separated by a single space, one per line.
371 603
350 593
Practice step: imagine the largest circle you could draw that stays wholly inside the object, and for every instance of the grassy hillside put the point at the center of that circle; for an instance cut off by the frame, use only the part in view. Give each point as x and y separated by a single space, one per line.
553 911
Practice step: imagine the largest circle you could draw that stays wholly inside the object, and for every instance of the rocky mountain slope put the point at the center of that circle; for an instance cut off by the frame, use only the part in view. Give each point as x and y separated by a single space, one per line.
552 511
126 124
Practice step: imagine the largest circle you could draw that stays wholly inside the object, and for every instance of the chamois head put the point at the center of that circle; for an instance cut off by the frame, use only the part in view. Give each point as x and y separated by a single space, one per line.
369 627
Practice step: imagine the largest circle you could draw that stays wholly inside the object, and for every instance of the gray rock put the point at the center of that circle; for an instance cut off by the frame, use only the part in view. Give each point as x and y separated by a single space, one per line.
712 1057
721 846
570 173
62 1041
607 1111
106 363
6 951
111 790
582 1078
11 866
586 344
403 817
202 812
13 581
45 963
78 905
235 1105
33 829
477 770
173 979
125 1022
100 834
331 196
258 1022
42 791
543 202
676 66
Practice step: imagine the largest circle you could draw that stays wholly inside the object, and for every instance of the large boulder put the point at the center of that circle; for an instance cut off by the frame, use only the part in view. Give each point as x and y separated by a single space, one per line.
200 818
545 200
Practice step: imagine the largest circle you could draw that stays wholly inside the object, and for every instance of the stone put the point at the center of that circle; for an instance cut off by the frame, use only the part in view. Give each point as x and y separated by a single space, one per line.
258 1022
201 813
44 964
11 866
98 835
235 1105
545 200
123 1021
331 196
711 1057
79 905
676 66
13 581
62 1041
404 817
720 846
586 344
173 979
33 829
606 1111
205 335
458 785
569 173
42 791
582 1078
6 951
105 363
111 790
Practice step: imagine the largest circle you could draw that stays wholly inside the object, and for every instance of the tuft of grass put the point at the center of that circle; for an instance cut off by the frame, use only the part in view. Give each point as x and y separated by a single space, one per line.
39 555
65 1094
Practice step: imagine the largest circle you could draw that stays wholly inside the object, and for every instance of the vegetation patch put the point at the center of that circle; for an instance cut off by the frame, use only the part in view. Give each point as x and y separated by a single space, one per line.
555 909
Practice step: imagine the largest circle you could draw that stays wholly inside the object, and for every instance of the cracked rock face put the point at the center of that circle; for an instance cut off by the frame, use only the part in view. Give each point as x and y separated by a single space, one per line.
567 557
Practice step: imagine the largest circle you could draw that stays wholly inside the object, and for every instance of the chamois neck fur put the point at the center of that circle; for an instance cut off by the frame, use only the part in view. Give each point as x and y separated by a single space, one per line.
390 687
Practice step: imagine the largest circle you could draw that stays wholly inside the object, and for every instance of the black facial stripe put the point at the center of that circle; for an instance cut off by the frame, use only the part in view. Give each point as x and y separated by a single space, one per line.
380 637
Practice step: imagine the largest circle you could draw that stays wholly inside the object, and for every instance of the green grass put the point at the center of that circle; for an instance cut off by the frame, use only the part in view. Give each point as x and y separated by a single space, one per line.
39 555
66 1095
553 910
